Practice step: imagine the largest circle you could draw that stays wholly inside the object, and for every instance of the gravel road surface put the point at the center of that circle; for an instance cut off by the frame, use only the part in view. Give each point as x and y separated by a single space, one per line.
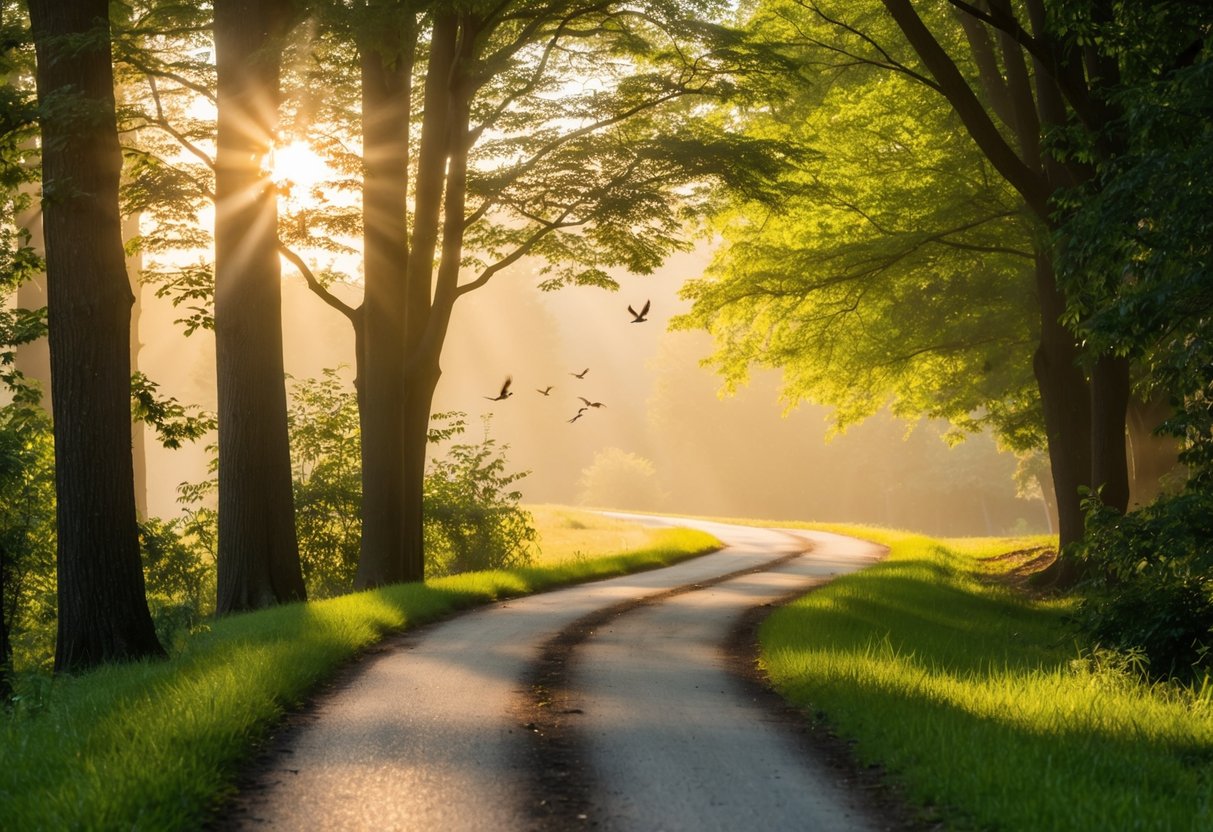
431 733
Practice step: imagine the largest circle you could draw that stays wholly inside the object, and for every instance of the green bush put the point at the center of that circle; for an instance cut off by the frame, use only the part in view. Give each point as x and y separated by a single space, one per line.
1153 587
621 479
179 574
472 518
327 474
27 539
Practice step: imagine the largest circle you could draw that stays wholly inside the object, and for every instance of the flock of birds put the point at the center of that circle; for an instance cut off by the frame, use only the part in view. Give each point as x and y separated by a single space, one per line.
505 392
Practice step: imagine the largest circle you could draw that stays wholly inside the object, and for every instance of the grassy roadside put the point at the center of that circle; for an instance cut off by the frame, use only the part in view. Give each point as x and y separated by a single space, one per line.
976 702
155 745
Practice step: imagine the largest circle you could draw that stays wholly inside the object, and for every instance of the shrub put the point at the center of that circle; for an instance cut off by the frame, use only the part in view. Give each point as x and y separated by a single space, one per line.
27 539
472 517
1153 590
473 520
325 461
180 577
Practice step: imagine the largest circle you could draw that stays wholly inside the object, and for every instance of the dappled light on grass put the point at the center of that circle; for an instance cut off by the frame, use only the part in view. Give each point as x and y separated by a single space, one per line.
977 701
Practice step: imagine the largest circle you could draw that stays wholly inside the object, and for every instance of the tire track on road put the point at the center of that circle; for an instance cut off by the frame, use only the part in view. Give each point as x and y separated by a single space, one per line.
708 745
556 771
428 731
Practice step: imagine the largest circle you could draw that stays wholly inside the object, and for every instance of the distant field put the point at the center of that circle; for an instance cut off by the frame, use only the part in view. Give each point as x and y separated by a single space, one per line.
572 534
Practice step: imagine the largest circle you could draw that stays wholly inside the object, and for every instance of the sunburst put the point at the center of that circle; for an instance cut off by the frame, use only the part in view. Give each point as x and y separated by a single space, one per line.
296 169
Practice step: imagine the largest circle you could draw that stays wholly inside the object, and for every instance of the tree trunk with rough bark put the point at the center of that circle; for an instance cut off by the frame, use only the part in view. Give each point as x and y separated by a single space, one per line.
399 366
386 65
258 552
1109 406
418 405
103 614
1064 396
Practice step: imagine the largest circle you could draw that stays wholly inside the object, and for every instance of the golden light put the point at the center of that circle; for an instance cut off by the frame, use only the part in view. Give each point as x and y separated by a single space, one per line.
295 169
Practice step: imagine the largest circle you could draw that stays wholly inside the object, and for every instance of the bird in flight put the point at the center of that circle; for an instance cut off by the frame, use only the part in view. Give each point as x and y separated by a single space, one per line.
578 416
639 317
547 391
589 403
581 374
505 391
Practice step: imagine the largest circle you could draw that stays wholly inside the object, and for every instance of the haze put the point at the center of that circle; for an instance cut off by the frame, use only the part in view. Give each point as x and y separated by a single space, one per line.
736 456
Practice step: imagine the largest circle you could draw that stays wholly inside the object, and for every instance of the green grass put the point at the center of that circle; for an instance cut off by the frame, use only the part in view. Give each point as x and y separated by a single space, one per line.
155 746
976 701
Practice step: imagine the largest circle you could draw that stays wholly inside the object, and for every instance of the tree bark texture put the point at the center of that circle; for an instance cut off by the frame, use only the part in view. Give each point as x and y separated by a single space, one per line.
386 67
400 363
258 552
1109 406
416 442
1064 396
103 614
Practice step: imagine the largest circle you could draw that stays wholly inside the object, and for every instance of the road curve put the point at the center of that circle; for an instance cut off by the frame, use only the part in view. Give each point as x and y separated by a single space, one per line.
430 732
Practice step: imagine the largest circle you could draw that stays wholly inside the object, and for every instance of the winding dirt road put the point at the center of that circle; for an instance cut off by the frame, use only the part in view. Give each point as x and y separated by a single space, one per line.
612 706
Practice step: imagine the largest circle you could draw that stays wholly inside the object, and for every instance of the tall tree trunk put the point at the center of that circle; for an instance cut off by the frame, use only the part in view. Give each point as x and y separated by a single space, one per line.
258 552
1152 456
417 364
1064 396
386 64
1073 414
420 399
103 614
1109 405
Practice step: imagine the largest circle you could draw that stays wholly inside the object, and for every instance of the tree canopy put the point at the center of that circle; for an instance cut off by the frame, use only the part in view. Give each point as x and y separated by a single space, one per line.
898 269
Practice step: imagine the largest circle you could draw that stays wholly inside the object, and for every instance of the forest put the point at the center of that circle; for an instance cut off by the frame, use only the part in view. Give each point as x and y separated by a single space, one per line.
994 216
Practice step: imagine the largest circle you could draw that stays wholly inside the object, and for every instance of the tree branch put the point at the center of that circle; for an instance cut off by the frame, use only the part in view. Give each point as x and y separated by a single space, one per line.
524 248
1032 186
317 287
1046 55
163 124
888 62
201 90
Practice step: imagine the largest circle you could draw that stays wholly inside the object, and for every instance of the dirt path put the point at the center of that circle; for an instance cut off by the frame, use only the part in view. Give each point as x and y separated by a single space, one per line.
444 729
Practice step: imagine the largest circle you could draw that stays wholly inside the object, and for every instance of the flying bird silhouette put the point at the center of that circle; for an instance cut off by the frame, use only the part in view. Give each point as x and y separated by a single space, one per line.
547 391
578 416
581 374
639 317
589 403
505 391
